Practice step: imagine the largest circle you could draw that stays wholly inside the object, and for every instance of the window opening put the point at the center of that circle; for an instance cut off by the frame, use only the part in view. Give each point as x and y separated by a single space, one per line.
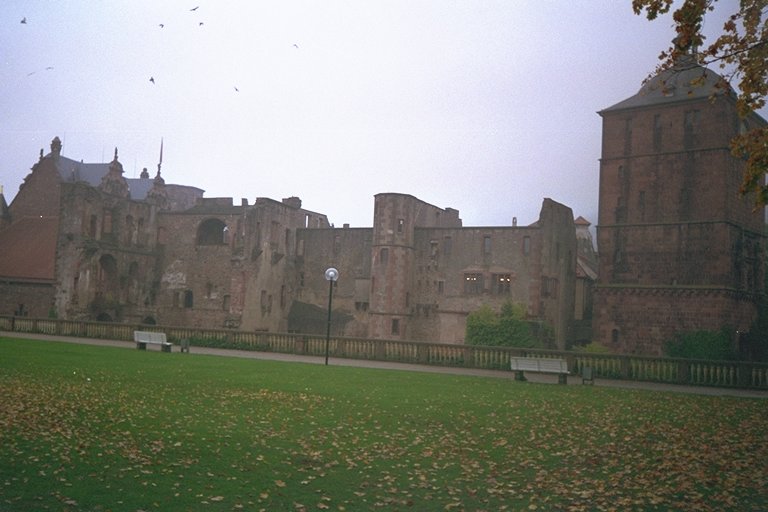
473 283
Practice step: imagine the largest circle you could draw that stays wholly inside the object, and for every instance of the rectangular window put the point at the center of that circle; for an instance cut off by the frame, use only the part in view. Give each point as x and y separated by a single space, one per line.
384 256
440 287
502 283
486 244
92 227
188 299
274 235
433 249
549 287
657 132
628 136
106 223
396 326
141 237
526 245
473 283
447 245
400 224
689 128
225 305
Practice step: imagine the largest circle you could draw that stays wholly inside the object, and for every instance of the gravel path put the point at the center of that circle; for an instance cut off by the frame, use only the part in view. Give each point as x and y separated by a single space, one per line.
574 380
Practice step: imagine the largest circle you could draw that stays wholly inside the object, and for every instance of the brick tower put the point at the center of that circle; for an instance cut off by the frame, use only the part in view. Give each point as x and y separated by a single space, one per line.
680 248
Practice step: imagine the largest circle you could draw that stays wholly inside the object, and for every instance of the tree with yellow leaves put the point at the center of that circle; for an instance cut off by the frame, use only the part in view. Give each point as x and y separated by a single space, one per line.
741 52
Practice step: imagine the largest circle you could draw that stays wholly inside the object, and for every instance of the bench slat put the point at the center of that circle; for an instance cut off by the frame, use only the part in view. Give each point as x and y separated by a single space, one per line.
149 337
155 338
538 364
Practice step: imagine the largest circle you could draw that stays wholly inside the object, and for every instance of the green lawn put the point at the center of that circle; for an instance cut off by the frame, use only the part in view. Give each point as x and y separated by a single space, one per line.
96 428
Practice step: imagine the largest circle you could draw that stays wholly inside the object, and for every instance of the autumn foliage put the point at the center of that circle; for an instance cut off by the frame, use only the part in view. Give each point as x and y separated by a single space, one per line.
741 54
98 429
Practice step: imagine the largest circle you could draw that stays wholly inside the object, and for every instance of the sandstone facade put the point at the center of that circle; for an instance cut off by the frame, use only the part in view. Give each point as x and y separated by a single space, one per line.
680 248
140 250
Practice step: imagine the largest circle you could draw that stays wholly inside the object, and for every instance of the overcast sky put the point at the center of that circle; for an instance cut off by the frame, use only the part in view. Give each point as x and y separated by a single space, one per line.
483 106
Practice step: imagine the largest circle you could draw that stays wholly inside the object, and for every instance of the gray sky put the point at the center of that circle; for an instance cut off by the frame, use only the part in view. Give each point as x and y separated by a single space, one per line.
483 106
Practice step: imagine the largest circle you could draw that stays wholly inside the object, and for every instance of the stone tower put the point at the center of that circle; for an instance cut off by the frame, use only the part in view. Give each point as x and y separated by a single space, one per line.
393 259
680 248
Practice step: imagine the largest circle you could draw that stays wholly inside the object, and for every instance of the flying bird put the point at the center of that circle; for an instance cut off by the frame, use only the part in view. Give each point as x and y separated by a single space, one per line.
161 25
295 45
33 72
24 20
236 89
195 8
152 79
200 24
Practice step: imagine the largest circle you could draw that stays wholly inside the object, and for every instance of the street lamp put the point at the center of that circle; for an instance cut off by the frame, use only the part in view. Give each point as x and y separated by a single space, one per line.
331 275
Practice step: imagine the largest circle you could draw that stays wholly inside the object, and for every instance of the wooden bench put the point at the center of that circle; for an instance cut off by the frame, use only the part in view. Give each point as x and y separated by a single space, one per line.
142 338
520 365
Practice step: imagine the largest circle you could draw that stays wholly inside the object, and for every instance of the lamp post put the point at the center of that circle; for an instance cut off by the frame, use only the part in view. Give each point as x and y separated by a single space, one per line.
331 275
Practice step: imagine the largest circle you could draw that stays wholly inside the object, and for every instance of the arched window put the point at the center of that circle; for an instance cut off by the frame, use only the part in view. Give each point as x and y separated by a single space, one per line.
103 317
107 277
211 232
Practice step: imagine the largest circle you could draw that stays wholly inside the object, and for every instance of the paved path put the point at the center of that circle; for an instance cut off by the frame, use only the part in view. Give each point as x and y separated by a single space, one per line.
388 365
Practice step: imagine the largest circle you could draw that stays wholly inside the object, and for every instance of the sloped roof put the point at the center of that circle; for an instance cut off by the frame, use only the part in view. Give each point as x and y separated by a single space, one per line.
581 221
28 248
685 81
139 187
584 269
73 171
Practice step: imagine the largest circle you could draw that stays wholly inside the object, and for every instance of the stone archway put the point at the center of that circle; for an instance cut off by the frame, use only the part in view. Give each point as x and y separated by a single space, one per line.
211 232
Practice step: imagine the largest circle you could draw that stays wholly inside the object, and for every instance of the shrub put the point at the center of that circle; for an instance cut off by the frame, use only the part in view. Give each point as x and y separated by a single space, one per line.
594 348
714 345
507 328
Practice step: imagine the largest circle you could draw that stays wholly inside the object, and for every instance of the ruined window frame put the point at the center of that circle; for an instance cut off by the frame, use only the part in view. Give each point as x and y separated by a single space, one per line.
473 283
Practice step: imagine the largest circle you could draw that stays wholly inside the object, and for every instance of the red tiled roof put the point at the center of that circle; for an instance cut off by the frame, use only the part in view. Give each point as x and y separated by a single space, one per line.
28 248
581 221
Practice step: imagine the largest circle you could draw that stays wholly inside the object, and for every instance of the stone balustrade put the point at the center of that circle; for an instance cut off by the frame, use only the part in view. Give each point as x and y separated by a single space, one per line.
736 374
